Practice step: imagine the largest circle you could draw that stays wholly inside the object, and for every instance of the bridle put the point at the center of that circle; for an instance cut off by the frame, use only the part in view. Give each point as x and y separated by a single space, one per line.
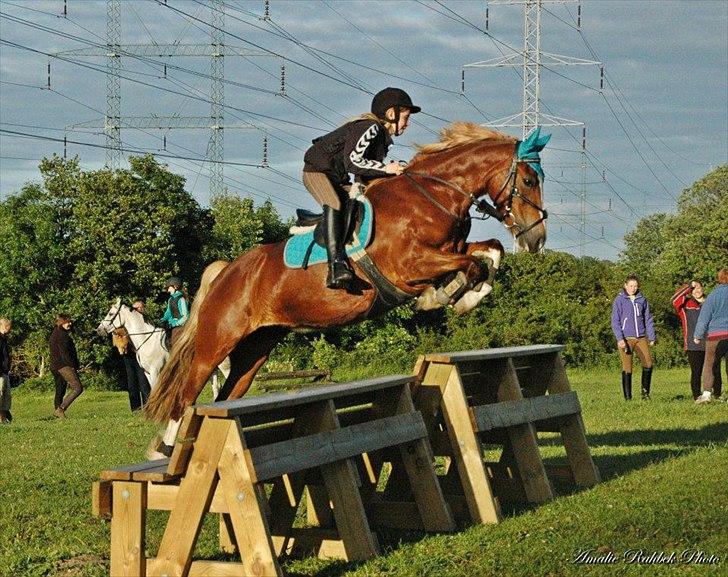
121 326
499 212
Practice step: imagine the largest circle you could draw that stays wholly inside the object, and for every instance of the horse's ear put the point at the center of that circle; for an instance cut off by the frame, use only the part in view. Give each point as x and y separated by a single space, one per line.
117 303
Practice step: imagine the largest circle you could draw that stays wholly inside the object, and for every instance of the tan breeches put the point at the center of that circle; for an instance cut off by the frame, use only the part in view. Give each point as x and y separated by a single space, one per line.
641 346
320 187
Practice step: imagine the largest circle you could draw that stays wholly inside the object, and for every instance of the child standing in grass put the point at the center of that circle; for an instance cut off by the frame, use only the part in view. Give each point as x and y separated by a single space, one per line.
634 330
712 328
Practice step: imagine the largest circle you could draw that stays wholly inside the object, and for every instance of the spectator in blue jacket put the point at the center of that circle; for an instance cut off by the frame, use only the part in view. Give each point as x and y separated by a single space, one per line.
712 327
634 330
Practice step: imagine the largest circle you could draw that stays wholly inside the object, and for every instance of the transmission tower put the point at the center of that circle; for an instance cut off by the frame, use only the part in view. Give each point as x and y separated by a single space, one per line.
112 121
530 60
215 51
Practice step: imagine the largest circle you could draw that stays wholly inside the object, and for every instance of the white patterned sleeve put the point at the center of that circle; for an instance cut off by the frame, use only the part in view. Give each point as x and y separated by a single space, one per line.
356 157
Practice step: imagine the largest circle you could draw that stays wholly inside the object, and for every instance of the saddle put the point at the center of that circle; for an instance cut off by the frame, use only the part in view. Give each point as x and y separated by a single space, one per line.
308 248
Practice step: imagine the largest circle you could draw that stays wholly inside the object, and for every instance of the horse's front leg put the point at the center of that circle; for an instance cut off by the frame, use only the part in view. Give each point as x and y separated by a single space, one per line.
469 269
473 282
490 252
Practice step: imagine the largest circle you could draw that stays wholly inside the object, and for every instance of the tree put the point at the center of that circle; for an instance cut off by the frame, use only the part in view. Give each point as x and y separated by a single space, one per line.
82 238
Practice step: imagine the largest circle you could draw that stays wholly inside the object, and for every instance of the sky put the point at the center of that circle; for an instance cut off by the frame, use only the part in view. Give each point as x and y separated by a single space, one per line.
655 123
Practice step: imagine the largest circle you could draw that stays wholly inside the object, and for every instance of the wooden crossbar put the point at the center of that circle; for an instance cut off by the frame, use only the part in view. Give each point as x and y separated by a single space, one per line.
297 454
278 401
147 471
492 354
522 411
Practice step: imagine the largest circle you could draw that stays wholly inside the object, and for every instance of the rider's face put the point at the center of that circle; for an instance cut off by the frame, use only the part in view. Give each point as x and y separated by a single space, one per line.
402 123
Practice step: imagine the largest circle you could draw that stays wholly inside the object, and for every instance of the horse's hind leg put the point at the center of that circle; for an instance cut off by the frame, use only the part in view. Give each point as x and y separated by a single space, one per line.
246 359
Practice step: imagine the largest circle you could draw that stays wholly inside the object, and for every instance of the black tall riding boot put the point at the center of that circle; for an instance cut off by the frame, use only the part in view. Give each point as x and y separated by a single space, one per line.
627 386
340 274
646 382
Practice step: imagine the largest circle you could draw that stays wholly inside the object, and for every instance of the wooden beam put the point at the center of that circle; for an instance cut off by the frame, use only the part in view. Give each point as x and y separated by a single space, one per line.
522 411
277 401
467 452
301 453
247 508
491 354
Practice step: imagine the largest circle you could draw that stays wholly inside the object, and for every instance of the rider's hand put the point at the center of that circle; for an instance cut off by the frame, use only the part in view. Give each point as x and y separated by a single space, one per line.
394 168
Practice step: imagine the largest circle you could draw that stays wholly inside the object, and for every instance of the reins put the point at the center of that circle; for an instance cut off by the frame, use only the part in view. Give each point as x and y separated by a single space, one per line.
482 205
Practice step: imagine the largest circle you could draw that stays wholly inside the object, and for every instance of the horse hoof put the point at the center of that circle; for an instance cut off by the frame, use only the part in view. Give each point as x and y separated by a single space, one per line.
427 301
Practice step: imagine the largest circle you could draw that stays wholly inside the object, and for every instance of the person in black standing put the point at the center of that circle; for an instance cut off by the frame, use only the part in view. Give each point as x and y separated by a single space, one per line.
64 365
5 394
137 384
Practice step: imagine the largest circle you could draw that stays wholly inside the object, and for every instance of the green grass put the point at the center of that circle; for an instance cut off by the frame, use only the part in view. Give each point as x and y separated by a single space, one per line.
664 465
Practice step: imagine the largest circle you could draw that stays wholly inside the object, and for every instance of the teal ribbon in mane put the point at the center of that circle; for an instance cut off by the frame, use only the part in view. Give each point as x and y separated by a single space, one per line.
528 150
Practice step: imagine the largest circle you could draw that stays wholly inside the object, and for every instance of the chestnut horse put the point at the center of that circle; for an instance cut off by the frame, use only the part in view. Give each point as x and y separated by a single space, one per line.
421 221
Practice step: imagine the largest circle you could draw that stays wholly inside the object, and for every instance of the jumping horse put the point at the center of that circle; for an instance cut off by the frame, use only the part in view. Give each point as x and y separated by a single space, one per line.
422 219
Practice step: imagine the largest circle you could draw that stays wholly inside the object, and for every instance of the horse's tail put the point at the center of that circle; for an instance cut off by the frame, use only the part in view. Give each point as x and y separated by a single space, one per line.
173 377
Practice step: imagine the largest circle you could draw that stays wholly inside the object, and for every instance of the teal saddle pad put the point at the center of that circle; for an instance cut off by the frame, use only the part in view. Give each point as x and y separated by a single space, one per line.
297 246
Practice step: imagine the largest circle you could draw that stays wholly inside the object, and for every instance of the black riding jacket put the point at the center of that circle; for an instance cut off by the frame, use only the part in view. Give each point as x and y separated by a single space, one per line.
358 147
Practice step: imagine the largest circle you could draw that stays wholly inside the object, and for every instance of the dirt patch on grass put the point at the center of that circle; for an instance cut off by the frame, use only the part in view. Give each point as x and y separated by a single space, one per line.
74 566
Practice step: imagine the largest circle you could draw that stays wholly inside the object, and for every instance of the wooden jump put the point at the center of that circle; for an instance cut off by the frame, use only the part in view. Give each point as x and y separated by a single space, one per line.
253 460
503 397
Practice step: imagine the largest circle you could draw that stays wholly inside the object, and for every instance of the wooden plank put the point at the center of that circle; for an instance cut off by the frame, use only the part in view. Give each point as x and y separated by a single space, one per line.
467 452
491 354
304 542
128 524
326 447
186 436
193 500
277 401
101 499
247 508
125 472
573 432
227 541
522 411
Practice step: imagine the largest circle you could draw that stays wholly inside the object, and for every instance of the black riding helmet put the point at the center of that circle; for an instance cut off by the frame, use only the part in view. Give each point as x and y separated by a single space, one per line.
392 98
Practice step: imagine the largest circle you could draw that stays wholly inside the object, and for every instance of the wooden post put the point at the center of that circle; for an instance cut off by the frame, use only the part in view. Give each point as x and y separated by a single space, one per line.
246 507
194 497
128 524
466 450
573 432
524 442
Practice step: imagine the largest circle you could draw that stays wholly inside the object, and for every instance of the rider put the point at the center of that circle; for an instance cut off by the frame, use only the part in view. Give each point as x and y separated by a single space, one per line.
177 311
358 147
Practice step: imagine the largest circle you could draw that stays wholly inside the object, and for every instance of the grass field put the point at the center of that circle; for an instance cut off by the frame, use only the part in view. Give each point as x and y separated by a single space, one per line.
664 465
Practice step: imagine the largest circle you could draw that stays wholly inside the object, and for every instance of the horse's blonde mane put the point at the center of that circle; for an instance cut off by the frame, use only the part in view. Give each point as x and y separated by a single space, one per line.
461 133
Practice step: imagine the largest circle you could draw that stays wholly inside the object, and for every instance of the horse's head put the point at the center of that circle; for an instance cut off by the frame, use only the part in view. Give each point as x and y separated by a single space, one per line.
519 200
111 320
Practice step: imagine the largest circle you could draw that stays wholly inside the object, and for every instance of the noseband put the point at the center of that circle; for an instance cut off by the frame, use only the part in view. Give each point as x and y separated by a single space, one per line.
121 326
499 212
